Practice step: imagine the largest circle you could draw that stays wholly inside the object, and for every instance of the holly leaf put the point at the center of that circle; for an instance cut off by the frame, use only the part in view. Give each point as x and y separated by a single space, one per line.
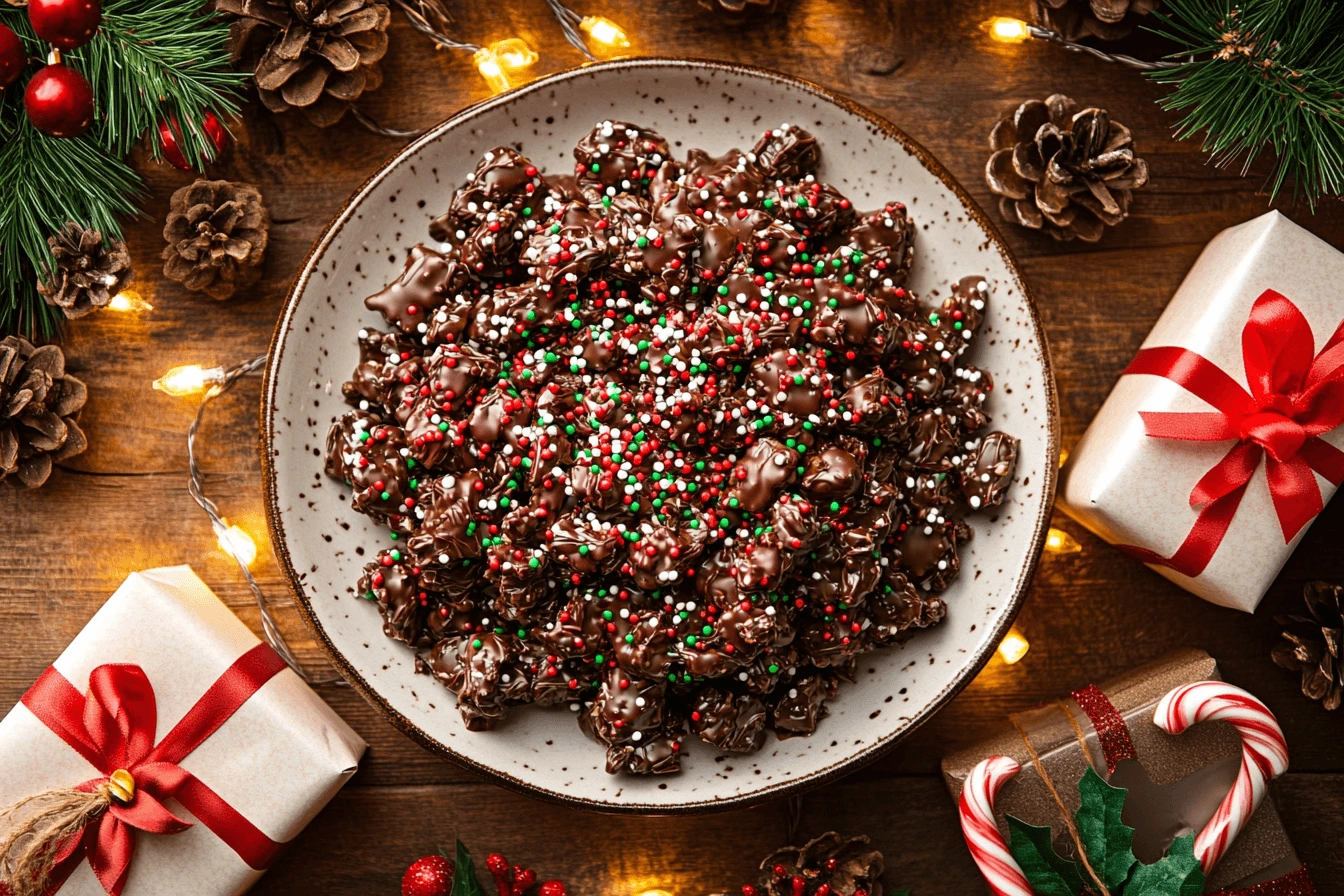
1049 873
902 892
1108 841
464 880
1178 873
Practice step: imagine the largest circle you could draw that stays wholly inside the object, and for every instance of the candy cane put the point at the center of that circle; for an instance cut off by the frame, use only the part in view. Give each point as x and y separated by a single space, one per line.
976 807
1264 754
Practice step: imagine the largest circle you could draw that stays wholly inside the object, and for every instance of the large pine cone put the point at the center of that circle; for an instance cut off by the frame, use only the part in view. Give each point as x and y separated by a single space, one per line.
87 274
1104 19
1314 644
1065 172
39 404
845 867
317 56
216 232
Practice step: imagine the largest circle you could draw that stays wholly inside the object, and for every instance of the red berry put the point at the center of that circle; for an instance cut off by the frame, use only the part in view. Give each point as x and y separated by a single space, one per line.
552 888
65 23
430 876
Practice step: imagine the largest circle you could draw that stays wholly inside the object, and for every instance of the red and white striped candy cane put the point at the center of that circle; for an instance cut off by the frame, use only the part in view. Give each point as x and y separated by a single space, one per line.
1264 754
976 807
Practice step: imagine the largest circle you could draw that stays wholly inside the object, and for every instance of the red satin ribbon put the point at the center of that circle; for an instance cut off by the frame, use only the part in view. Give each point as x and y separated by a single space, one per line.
1295 396
113 727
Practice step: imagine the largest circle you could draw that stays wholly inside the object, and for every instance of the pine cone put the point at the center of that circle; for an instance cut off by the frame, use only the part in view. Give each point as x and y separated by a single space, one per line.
86 275
1066 172
317 56
849 867
216 232
1315 646
1104 19
39 404
742 9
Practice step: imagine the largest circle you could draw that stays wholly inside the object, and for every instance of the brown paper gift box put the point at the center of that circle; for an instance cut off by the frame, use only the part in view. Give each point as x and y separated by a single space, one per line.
1175 784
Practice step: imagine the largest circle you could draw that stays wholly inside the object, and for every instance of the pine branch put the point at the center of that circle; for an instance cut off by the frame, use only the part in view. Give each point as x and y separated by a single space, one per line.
1265 73
46 183
151 60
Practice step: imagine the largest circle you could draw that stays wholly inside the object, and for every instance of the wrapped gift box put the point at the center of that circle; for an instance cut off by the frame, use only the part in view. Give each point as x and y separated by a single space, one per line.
1134 489
276 761
1175 782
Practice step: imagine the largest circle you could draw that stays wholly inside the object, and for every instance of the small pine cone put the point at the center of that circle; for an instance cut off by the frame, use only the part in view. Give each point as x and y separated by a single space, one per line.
216 232
317 56
1066 172
741 9
39 407
846 866
1103 19
87 274
1314 645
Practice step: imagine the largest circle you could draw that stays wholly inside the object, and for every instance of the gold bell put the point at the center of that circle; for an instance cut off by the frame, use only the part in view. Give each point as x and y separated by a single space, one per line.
121 786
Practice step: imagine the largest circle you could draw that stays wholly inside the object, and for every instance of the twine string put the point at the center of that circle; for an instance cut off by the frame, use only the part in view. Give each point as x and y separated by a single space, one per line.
1059 802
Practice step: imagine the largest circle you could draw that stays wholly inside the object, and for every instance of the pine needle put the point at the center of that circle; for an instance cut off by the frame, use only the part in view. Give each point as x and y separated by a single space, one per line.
1262 74
152 60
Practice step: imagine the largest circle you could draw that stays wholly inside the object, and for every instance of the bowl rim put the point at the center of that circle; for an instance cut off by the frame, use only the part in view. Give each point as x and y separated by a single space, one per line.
790 787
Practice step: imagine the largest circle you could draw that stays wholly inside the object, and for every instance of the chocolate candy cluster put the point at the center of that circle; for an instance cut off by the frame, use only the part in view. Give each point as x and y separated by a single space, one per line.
665 442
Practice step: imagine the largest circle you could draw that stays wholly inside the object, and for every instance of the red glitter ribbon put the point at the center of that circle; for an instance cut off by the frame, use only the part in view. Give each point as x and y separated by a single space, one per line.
113 727
1295 883
1111 730
1295 396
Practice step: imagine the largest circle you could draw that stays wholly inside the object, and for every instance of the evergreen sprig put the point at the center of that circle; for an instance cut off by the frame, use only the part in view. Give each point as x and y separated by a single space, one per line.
1262 73
151 60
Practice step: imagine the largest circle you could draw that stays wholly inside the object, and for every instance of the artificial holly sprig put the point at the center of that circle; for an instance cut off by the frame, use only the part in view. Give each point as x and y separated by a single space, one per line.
1108 845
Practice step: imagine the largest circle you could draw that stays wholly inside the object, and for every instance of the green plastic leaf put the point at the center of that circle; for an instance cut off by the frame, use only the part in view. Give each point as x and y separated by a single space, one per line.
1107 840
464 880
1178 873
1049 873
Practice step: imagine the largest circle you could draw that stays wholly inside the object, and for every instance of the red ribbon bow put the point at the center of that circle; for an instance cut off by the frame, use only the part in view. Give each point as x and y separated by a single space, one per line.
113 727
1295 396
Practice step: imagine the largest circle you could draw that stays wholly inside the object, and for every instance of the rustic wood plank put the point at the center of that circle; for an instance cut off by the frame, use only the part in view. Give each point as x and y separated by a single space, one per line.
364 841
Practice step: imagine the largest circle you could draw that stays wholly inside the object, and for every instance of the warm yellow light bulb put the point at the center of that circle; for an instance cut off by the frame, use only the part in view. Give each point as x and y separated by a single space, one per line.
129 300
487 63
190 379
236 543
1063 456
605 32
1007 30
1013 647
513 54
653 893
1057 541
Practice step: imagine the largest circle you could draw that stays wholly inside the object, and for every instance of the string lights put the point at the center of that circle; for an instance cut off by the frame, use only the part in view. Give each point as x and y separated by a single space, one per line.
1057 541
603 32
1007 30
128 300
210 383
1013 647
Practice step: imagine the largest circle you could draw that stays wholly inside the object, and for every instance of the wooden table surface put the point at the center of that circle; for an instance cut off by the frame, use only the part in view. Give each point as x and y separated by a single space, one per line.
123 505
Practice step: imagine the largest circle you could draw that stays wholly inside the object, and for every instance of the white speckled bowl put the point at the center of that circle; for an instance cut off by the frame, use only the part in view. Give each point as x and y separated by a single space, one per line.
323 544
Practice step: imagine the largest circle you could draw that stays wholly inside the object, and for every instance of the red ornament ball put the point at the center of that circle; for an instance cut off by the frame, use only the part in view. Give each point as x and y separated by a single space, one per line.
66 24
13 57
169 131
430 876
59 101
